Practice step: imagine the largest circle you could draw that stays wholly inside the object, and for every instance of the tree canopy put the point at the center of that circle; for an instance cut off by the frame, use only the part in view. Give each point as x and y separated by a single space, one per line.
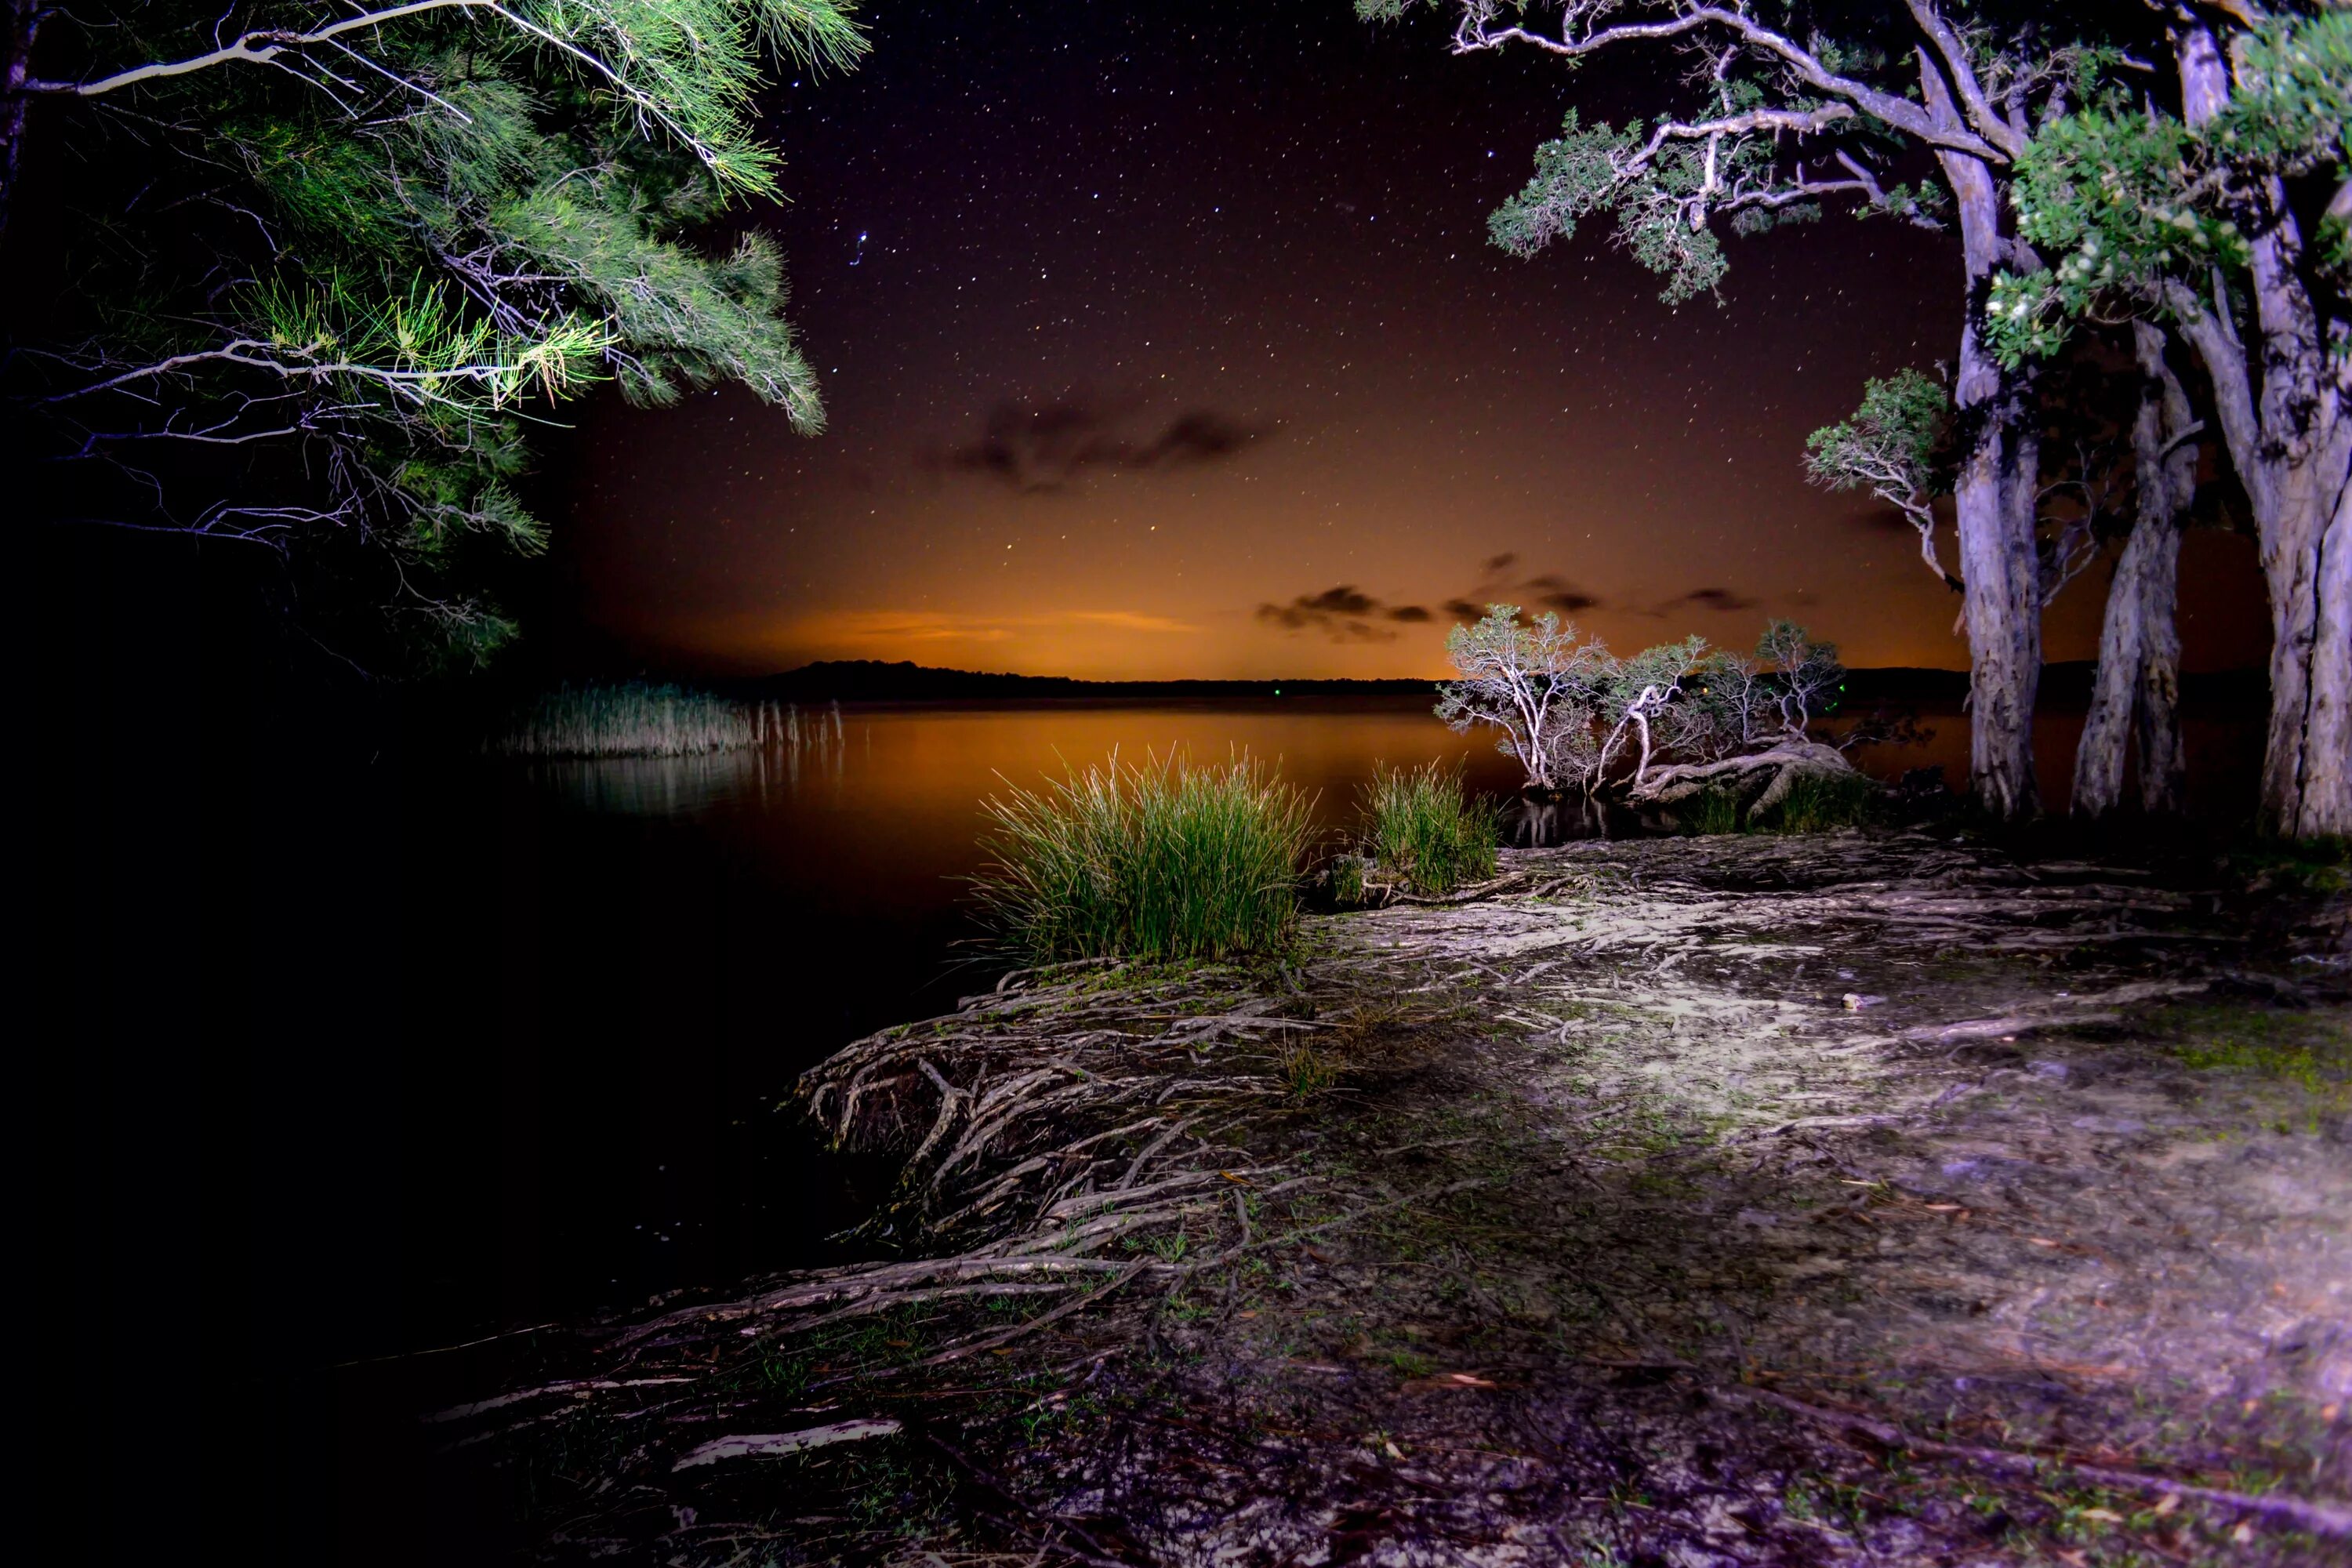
332 267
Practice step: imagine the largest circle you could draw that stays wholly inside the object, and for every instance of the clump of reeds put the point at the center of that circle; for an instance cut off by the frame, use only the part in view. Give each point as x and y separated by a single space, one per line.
640 719
1165 860
1714 811
1422 827
1817 802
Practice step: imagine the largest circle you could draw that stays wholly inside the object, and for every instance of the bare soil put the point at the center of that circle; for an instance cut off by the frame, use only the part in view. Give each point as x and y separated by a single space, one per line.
1863 1198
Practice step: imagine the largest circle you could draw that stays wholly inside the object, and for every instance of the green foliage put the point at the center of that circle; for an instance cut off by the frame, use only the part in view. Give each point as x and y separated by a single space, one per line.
1817 802
1422 827
1161 862
1308 1072
1895 441
389 252
2128 198
1715 811
637 719
2293 107
1605 170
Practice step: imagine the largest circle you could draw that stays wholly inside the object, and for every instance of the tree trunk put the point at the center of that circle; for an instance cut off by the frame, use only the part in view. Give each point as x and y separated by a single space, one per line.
22 22
2136 692
1995 500
2290 439
2156 720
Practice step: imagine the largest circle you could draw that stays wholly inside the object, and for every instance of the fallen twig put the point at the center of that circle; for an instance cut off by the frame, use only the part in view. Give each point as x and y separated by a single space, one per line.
2333 1521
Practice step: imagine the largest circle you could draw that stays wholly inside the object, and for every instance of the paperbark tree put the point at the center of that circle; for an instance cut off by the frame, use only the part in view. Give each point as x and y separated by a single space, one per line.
327 263
1536 681
1892 445
2136 691
1782 119
2204 215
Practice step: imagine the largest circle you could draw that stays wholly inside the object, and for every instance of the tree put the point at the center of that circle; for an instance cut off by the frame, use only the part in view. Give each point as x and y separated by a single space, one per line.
334 261
1893 446
1568 708
2136 689
1645 693
1779 119
2221 216
1536 681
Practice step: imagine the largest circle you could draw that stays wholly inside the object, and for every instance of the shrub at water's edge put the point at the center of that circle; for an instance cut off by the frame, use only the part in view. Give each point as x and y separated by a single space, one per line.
1424 828
1165 860
1813 802
641 718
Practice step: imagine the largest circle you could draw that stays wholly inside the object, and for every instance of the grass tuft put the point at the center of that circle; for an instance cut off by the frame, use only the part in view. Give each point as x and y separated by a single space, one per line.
1161 862
1308 1072
1716 811
1818 802
1425 828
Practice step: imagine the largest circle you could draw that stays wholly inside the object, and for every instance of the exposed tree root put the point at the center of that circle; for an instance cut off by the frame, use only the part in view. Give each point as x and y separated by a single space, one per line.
1603 1131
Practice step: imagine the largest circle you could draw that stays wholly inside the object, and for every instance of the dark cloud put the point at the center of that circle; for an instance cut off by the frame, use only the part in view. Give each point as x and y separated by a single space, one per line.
1555 592
1042 449
1343 613
1710 599
1497 583
1347 614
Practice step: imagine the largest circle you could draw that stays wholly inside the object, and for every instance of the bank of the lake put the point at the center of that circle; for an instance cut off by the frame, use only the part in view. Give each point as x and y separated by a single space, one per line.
1868 1197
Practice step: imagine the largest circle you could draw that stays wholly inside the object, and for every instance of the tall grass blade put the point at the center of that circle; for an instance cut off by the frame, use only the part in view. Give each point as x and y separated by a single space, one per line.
1161 862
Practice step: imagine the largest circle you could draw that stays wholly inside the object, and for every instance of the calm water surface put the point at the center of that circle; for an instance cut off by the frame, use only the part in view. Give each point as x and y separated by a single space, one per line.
590 1098
590 1092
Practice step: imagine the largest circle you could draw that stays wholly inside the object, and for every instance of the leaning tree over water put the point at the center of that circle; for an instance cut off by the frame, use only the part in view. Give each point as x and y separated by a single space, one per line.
1778 109
325 265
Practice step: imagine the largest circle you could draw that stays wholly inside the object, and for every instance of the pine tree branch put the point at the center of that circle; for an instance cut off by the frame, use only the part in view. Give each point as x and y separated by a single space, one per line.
260 47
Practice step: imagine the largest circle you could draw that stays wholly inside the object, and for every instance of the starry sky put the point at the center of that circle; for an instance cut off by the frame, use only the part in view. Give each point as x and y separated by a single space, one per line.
1163 339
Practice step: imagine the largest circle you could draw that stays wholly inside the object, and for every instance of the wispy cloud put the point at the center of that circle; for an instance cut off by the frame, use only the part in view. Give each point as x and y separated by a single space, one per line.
1045 449
1345 613
885 627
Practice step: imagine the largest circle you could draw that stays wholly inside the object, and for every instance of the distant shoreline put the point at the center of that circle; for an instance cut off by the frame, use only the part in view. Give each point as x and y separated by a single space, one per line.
873 681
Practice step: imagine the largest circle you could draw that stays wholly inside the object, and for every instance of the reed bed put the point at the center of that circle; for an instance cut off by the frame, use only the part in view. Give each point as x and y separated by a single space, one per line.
641 718
1158 861
1424 828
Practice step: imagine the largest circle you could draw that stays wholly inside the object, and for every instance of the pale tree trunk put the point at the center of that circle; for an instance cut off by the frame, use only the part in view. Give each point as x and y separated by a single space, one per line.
22 21
2290 438
2135 694
1995 500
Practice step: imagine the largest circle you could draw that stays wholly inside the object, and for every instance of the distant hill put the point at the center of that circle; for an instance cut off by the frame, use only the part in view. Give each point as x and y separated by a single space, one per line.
872 681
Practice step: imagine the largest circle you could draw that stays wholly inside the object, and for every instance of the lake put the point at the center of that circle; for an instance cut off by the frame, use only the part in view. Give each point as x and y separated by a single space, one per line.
590 1101
389 1050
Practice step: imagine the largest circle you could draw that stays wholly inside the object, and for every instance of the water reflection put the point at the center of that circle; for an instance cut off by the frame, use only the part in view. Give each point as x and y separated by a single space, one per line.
1532 824
681 937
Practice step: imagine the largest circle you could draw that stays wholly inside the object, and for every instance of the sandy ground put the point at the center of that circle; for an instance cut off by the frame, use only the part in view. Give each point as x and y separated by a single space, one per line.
1859 1197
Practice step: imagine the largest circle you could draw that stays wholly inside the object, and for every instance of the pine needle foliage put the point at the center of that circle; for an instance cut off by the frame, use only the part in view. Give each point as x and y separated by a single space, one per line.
1423 827
1161 862
330 266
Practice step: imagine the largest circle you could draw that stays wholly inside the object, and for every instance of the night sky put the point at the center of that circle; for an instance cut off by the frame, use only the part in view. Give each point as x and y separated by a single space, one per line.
1163 339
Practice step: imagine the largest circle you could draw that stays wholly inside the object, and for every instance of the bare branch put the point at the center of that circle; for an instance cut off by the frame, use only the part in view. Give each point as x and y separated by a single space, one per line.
1480 29
264 47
